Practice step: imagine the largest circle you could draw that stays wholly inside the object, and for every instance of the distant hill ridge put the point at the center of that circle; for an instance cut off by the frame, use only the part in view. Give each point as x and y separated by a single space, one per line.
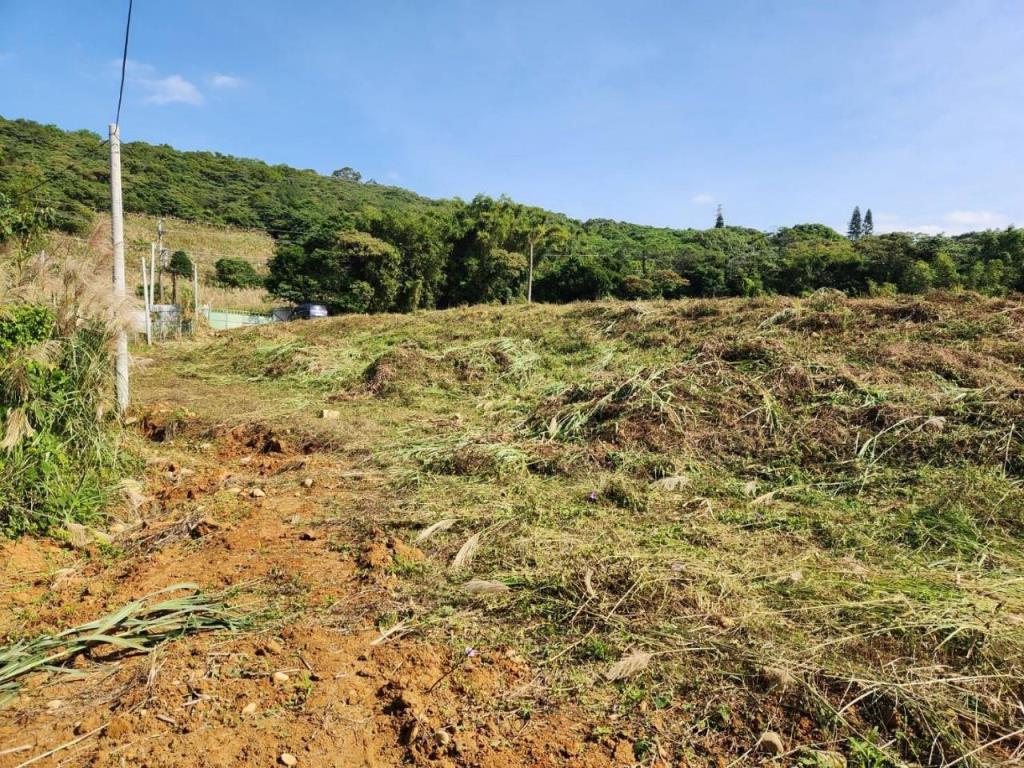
437 253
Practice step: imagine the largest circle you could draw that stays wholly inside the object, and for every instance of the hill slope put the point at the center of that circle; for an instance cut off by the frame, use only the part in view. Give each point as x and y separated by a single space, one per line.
426 253
803 517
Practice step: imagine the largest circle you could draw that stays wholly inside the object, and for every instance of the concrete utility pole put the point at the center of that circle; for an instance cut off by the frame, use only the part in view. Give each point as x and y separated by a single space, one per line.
163 258
117 238
529 283
195 297
146 301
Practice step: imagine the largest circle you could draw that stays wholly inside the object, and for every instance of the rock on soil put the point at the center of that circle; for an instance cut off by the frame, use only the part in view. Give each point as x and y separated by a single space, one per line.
770 743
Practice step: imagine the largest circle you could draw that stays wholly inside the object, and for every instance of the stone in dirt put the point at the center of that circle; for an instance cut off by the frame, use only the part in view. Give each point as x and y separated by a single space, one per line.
270 646
257 493
280 677
287 759
327 413
624 754
770 743
78 535
308 482
777 679
410 730
249 709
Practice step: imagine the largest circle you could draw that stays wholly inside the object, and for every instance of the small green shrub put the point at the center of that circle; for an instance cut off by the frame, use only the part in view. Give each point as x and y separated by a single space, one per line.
237 273
24 325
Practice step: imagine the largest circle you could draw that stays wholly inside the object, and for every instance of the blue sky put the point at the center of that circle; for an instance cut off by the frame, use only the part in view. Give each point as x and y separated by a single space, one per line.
783 111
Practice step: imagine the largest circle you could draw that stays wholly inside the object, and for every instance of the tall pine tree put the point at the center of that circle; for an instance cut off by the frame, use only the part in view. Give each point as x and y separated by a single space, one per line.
856 228
719 219
868 227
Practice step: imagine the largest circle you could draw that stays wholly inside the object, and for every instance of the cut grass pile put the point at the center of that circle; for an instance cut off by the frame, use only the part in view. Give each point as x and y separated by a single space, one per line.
804 516
137 626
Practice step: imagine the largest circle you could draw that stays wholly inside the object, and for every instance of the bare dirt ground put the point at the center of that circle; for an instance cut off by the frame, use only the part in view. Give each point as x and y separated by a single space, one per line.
313 681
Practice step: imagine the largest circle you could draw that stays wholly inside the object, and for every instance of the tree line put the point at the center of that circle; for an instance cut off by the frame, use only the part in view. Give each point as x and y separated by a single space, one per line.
362 246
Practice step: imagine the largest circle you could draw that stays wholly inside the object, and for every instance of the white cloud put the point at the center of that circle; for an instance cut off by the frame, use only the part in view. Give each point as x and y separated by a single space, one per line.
226 81
952 223
702 198
977 219
172 89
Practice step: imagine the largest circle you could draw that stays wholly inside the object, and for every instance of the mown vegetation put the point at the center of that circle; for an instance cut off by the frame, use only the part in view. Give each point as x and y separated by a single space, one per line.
451 252
707 518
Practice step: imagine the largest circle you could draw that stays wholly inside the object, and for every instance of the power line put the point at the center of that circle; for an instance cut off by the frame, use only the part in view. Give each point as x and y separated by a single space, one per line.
124 63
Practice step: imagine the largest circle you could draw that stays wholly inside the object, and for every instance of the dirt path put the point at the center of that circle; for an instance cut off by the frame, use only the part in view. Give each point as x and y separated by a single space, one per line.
243 509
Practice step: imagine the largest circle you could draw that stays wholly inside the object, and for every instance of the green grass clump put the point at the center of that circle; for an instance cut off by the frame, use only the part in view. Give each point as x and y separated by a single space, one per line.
60 455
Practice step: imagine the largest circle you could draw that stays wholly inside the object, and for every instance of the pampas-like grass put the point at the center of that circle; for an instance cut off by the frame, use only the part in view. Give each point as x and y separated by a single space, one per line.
430 530
466 553
17 428
484 587
628 666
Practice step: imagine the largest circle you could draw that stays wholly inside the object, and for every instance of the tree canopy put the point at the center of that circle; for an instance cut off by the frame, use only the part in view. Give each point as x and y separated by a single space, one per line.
362 246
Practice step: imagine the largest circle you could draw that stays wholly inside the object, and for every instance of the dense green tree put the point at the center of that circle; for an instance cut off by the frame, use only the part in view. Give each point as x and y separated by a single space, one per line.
636 287
856 226
575 278
423 239
945 269
719 219
450 252
347 174
806 264
348 272
669 284
179 265
917 278
236 273
868 227
23 225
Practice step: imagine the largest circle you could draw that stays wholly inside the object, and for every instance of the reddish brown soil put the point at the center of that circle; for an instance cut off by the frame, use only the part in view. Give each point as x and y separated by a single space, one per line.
212 700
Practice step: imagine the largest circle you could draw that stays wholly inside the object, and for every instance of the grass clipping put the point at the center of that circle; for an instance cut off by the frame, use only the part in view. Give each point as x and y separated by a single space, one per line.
137 626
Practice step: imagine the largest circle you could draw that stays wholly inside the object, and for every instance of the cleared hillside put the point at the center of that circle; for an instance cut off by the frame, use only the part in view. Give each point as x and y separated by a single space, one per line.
204 243
681 533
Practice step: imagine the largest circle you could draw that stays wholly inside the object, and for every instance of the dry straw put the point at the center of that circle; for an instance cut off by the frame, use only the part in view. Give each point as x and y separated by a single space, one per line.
484 587
430 530
628 666
466 553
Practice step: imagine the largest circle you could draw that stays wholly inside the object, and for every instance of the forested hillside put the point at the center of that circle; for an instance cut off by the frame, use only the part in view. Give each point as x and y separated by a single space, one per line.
362 246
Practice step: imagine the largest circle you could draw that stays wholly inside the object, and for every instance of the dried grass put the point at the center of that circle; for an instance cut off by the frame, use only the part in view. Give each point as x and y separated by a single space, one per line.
430 530
628 666
466 553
